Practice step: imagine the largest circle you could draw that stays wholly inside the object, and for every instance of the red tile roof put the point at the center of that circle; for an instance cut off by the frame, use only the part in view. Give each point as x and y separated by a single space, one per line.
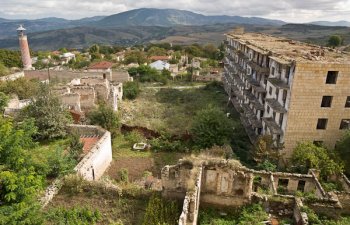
159 57
100 65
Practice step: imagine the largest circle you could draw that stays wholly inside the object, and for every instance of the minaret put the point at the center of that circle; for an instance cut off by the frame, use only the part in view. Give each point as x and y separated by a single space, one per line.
23 44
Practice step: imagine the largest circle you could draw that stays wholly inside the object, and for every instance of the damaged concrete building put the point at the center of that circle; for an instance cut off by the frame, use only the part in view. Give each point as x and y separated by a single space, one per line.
222 183
290 90
83 94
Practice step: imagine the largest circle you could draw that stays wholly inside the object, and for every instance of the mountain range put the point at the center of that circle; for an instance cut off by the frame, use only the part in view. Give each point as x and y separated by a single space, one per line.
141 26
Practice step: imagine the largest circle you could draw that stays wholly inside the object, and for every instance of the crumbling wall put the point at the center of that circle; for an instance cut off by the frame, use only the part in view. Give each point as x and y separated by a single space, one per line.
87 96
71 100
226 187
13 76
189 215
98 159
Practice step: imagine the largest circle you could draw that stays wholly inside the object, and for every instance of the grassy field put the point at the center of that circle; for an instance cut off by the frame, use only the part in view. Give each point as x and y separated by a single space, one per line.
170 109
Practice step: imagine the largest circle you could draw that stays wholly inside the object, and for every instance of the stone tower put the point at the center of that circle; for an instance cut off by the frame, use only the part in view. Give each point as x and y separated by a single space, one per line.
23 44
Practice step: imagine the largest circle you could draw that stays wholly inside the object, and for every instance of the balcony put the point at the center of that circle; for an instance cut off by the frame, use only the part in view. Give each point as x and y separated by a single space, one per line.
275 105
259 89
272 125
249 130
258 68
278 83
253 100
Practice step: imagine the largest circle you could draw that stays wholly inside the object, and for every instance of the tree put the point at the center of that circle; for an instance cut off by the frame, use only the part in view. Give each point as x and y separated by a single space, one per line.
4 99
265 151
335 41
211 127
342 149
22 87
50 117
10 58
94 49
3 70
75 146
105 117
131 90
310 156
135 57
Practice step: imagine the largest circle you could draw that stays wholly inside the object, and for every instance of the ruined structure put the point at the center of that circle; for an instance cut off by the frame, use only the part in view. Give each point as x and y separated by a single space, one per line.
290 90
226 183
97 157
83 94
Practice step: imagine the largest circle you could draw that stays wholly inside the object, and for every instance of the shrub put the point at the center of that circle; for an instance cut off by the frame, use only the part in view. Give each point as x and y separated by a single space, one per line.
160 211
134 137
123 175
75 215
131 90
211 127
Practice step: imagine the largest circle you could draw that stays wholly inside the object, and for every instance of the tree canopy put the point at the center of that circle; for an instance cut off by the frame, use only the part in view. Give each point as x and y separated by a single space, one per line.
49 116
342 148
310 156
105 117
211 127
335 41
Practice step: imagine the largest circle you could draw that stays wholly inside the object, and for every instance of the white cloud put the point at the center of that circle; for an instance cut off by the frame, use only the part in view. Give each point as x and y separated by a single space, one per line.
288 10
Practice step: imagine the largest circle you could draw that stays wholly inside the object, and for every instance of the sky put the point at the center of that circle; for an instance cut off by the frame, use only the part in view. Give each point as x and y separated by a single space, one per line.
297 11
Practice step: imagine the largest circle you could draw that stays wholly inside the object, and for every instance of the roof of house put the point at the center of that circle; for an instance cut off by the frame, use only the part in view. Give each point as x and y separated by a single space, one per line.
89 142
100 65
159 57
160 65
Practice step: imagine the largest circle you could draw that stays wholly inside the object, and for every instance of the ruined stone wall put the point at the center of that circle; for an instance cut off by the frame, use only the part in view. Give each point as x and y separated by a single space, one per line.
309 85
66 75
225 187
13 76
87 96
71 101
98 159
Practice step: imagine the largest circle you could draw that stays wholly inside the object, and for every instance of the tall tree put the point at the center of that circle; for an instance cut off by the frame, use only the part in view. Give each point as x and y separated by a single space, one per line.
105 117
50 117
342 148
211 127
335 41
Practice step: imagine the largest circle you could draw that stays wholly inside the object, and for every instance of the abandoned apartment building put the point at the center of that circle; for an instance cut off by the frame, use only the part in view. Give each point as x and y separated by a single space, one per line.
84 94
210 181
290 90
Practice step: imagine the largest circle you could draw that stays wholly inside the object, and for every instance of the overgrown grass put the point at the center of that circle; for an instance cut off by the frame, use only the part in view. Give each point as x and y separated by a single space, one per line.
123 148
171 110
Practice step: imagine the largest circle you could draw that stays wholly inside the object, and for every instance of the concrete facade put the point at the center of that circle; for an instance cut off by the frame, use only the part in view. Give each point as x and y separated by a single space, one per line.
285 89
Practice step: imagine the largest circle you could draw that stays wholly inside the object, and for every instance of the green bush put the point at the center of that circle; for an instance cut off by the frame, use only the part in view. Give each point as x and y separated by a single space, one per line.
123 175
211 127
76 215
160 211
131 90
134 137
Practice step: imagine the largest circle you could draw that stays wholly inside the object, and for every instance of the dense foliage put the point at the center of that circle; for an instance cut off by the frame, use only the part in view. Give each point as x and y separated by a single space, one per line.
335 41
148 74
131 90
3 101
105 117
211 127
248 215
50 117
342 149
10 58
18 180
76 215
308 155
21 87
3 70
161 211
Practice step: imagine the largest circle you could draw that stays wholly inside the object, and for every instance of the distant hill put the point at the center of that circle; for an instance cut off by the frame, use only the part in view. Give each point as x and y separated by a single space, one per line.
174 17
137 17
341 23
